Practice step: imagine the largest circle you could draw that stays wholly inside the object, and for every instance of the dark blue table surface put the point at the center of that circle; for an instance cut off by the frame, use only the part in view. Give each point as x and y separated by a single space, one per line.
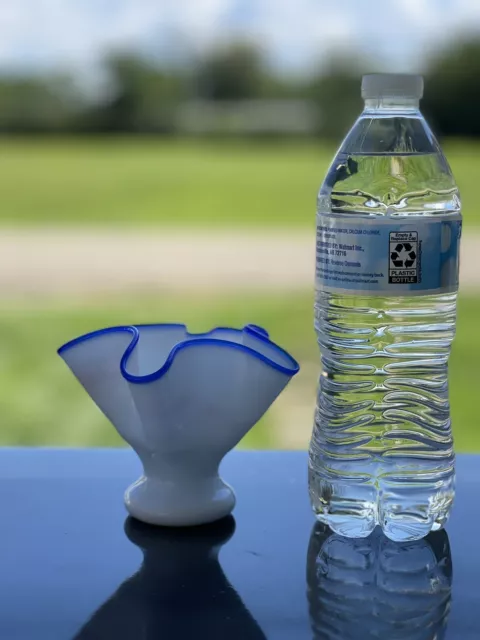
74 566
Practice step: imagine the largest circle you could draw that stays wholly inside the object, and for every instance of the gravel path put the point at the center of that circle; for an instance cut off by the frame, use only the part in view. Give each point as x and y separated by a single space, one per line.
63 262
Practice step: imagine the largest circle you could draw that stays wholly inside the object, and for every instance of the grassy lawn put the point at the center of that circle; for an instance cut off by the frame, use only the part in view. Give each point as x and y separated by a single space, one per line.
152 182
41 403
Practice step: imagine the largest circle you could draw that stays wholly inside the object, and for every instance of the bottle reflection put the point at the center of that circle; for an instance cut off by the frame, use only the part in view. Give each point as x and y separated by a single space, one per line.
180 590
375 588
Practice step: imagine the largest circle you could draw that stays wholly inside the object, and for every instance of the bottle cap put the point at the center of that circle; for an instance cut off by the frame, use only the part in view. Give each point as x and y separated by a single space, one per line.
392 85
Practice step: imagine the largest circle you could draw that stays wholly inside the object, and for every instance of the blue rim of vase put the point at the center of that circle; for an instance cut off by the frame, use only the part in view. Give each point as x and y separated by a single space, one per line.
191 340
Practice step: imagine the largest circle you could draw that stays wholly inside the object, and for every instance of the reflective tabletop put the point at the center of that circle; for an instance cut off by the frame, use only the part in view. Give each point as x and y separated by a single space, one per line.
73 565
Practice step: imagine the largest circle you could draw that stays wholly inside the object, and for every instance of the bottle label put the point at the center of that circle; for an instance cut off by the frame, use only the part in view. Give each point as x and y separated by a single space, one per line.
415 256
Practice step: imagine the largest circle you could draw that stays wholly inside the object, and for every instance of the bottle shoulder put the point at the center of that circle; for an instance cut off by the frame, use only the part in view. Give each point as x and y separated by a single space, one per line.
390 165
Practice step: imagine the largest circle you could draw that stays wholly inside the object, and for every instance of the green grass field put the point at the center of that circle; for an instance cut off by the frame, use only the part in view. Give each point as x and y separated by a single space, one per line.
166 183
41 402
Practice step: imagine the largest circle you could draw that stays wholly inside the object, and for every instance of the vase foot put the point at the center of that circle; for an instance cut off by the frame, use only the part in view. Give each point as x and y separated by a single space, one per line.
168 504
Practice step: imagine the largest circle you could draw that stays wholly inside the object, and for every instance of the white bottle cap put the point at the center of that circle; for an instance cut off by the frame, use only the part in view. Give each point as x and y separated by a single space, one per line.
392 85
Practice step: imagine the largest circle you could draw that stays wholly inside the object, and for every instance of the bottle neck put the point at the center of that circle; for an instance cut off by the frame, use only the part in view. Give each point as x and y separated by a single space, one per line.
392 104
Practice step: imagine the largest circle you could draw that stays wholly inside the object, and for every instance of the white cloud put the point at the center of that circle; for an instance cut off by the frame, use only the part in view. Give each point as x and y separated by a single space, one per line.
77 32
62 31
419 11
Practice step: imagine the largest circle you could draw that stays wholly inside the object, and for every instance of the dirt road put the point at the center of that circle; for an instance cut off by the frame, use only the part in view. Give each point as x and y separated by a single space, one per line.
75 261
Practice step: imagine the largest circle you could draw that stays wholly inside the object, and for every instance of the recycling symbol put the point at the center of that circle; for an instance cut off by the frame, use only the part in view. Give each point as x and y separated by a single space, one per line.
403 255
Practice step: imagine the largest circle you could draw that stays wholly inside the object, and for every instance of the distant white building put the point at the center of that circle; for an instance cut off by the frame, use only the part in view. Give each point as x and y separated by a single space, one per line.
247 117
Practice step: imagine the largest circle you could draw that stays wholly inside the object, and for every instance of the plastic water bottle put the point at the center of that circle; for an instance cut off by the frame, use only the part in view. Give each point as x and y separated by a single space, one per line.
387 264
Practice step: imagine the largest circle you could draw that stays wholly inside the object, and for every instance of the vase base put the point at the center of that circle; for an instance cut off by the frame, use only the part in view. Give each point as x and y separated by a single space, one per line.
167 504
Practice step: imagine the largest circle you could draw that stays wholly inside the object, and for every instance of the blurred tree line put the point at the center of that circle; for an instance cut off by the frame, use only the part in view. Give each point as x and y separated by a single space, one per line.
144 97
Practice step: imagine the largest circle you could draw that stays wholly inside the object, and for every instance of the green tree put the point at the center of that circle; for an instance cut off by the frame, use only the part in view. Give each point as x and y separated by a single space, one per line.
335 91
452 101
143 98
36 104
233 73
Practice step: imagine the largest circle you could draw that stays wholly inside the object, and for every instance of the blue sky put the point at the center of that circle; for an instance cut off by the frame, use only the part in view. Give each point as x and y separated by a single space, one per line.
294 34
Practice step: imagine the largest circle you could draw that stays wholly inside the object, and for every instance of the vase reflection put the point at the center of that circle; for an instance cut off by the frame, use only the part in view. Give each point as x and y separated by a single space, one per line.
180 591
